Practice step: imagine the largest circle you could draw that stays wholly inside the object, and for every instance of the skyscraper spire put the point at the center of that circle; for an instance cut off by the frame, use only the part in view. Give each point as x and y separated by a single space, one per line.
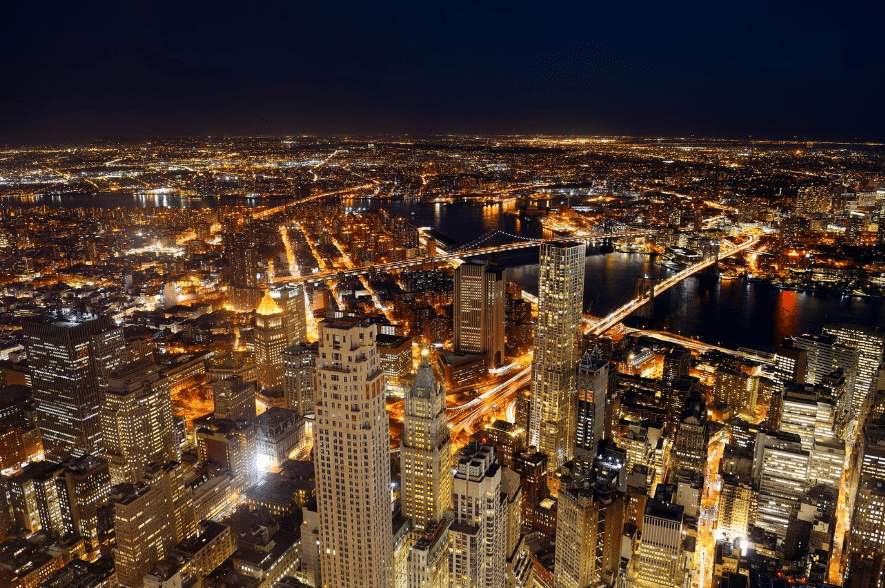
426 454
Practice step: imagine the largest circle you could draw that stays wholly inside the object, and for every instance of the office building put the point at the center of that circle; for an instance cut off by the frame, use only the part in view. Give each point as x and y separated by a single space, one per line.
791 363
692 436
593 375
660 551
352 458
780 466
299 363
425 454
478 306
136 421
677 365
70 357
479 530
735 389
270 341
243 291
737 506
589 525
291 300
560 313
88 482
870 343
233 398
826 352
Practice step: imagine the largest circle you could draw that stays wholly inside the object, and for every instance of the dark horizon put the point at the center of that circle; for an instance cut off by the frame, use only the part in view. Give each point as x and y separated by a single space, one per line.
808 71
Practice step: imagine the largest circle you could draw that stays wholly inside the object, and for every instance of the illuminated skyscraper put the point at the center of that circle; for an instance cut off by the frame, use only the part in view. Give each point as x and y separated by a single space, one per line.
299 363
291 300
136 421
870 343
592 386
589 524
560 302
479 310
70 357
479 531
426 454
244 293
867 531
352 458
426 471
270 341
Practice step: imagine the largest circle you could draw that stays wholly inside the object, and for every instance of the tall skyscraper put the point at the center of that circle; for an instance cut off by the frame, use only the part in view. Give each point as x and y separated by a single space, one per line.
791 363
136 421
661 548
270 341
677 364
234 398
593 374
867 531
291 300
479 310
352 458
244 293
70 357
426 471
870 343
780 466
827 353
299 363
589 525
560 302
736 389
478 533
426 454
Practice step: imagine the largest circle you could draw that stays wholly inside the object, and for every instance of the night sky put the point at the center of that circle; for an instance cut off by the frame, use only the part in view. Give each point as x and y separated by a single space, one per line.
79 71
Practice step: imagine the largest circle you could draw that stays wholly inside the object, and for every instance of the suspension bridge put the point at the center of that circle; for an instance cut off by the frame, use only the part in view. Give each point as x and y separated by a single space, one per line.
486 244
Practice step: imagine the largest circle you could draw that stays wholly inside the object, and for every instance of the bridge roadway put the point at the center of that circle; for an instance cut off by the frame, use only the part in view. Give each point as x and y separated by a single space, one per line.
320 277
600 326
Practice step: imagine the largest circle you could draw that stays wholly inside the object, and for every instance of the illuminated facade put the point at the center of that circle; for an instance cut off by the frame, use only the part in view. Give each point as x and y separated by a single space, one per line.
352 458
425 454
70 357
479 311
270 341
660 551
589 525
291 300
593 374
736 389
299 363
479 531
560 302
136 421
870 343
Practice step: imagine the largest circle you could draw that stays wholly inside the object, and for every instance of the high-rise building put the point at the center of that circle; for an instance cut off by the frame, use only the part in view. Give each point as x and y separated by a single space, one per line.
589 524
136 421
234 398
791 363
244 293
425 454
867 531
870 343
827 353
660 551
677 365
593 374
692 435
291 300
352 458
553 417
479 530
781 467
299 363
479 310
737 506
270 341
736 389
70 357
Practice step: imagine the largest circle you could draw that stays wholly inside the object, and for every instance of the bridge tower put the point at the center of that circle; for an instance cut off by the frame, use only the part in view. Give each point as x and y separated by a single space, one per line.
645 290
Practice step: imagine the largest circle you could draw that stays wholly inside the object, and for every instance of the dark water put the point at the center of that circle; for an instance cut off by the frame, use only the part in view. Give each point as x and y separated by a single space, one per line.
732 313
727 312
